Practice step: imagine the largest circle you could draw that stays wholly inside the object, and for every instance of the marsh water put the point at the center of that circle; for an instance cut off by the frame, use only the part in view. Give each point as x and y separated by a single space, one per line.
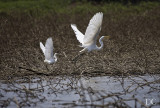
79 92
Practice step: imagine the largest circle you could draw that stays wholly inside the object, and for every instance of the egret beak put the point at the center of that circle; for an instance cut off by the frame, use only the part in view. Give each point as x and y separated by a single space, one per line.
107 37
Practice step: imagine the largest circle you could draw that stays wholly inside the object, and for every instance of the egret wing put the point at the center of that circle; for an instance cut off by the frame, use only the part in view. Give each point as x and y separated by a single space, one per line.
79 35
49 49
93 29
42 48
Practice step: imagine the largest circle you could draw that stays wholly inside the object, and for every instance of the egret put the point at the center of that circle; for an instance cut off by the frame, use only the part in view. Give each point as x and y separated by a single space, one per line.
48 51
88 41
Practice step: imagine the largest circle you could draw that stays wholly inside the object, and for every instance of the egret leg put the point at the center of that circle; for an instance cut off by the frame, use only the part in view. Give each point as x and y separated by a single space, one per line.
77 56
47 67
83 50
80 45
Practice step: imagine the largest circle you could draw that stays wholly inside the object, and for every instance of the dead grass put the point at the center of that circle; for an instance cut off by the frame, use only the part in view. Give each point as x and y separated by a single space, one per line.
133 49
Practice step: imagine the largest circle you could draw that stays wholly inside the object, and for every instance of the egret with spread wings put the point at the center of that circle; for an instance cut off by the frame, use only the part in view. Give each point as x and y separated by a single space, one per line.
48 51
88 40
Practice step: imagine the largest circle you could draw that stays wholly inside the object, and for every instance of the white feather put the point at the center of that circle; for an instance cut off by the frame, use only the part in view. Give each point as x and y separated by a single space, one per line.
93 29
79 35
42 48
49 49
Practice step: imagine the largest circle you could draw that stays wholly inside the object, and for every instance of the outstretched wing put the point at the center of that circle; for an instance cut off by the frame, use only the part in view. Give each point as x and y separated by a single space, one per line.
79 35
42 48
49 49
93 29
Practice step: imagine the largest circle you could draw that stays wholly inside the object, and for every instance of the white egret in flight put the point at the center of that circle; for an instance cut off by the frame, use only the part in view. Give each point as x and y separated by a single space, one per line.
48 51
88 40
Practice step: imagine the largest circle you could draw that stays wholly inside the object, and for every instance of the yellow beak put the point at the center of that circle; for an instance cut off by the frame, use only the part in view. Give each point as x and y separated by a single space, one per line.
107 37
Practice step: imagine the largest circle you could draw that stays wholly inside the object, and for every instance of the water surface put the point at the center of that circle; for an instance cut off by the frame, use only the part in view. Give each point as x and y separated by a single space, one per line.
69 91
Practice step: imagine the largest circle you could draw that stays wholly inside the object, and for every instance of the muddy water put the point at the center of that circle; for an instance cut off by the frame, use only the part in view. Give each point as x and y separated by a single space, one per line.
79 92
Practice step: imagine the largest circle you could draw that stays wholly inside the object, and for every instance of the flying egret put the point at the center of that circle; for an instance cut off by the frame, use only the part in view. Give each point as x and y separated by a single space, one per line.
48 51
88 40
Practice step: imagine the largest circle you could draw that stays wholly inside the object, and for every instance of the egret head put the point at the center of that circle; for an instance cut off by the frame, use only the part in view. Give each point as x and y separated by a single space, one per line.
55 53
104 37
55 57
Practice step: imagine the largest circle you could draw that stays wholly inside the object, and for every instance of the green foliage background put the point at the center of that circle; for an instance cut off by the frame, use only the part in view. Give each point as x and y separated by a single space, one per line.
44 7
